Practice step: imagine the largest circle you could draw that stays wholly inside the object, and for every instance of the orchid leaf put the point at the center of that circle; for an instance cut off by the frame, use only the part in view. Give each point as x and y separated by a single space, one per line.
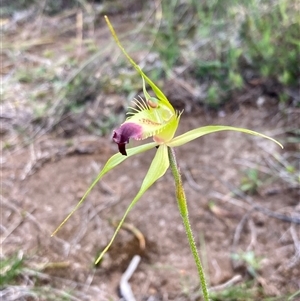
110 164
160 95
196 133
157 169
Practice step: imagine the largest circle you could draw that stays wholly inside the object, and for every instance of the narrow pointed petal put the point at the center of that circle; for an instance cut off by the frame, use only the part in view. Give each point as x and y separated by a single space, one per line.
196 133
110 164
160 95
157 169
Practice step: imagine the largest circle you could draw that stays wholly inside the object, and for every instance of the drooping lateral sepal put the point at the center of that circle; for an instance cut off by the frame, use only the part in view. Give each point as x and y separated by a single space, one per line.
157 169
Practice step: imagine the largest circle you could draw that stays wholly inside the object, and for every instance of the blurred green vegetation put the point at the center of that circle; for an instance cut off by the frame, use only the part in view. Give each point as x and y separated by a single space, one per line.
49 7
223 47
230 43
10 269
247 291
251 181
8 7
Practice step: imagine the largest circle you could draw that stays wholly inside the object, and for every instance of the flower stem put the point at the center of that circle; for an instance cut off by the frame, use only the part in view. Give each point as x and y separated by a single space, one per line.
182 204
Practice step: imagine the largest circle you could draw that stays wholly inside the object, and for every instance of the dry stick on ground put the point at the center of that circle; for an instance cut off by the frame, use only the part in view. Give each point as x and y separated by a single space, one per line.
234 280
295 260
268 212
227 198
253 234
239 229
125 288
30 166
89 280
216 267
191 181
280 166
79 31
12 228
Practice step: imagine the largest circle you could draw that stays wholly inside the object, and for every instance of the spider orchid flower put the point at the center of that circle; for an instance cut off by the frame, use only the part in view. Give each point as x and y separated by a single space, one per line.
153 117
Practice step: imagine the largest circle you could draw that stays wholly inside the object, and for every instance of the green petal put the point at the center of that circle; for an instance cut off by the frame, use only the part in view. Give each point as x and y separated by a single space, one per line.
157 169
196 133
160 95
110 164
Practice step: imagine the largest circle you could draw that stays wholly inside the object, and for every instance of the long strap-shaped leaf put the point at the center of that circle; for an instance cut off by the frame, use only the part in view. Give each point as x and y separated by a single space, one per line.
157 169
110 164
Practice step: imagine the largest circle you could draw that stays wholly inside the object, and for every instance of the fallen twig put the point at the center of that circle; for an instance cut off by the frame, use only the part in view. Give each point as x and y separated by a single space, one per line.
239 229
296 258
125 288
253 235
235 279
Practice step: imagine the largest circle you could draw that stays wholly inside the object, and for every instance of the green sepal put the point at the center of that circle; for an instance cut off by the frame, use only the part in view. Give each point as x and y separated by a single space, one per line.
157 169
196 133
110 164
160 95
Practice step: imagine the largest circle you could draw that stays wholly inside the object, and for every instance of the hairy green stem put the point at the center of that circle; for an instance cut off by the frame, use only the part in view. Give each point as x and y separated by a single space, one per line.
182 204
